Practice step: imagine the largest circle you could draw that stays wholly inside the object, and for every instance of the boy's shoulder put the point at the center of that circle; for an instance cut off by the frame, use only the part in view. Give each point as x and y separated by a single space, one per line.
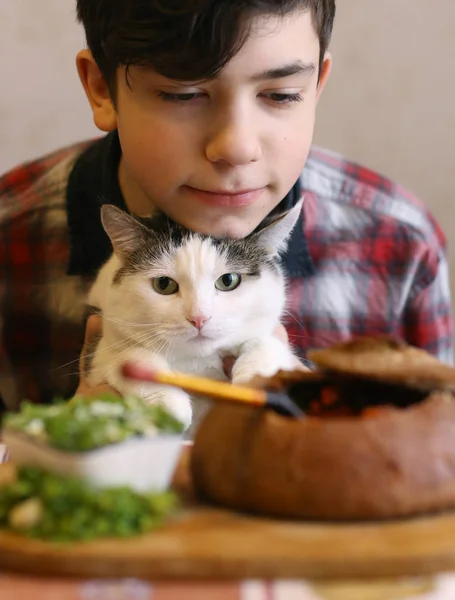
352 193
35 186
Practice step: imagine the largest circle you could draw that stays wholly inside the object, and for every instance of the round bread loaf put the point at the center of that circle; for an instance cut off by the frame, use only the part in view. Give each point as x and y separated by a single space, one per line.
377 441
396 462
385 359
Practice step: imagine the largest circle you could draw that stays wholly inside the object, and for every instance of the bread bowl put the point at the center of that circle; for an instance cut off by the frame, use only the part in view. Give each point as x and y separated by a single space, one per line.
374 460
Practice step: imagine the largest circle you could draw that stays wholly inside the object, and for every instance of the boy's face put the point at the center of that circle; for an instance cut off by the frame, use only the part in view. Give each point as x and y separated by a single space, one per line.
217 156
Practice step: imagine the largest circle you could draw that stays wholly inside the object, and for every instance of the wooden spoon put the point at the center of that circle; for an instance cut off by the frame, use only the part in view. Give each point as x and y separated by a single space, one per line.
216 390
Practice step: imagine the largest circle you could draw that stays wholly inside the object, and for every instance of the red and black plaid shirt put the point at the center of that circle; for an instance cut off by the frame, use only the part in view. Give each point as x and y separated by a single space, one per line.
366 258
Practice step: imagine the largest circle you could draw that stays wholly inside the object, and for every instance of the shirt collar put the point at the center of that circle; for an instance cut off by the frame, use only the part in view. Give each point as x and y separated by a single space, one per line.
94 181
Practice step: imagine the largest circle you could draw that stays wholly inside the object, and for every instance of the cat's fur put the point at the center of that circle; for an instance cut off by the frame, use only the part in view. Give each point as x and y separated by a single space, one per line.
142 325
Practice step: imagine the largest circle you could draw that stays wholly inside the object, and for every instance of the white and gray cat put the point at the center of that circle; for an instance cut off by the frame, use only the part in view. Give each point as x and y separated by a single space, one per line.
176 300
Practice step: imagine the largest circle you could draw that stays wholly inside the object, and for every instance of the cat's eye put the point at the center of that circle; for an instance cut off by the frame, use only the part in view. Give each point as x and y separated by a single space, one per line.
165 286
228 282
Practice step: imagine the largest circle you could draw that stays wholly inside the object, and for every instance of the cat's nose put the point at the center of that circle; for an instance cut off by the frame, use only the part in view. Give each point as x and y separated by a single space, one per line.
198 321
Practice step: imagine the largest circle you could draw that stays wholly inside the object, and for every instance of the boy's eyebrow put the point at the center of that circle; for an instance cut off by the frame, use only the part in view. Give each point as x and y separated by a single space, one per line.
295 68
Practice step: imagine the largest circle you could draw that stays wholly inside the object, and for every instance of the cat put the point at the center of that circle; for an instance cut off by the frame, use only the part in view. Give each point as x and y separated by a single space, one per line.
176 300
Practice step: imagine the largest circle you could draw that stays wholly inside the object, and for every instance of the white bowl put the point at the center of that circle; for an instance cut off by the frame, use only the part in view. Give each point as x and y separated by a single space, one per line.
143 464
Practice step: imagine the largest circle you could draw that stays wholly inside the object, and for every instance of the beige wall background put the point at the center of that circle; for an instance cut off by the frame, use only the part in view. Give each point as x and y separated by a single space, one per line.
390 103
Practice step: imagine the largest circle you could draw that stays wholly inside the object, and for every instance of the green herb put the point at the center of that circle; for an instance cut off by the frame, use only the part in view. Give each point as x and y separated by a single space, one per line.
85 424
71 509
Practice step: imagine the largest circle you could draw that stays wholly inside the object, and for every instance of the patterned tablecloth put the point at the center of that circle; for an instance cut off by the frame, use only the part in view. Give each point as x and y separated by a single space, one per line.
26 588
19 587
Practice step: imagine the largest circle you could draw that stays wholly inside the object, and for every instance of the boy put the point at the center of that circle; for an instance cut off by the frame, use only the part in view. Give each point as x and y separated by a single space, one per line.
209 110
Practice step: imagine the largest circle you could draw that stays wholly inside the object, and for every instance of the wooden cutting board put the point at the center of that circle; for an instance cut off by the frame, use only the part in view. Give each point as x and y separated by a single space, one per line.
211 543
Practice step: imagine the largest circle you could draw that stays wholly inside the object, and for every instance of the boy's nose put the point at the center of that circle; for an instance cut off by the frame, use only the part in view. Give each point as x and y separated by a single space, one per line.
198 321
236 143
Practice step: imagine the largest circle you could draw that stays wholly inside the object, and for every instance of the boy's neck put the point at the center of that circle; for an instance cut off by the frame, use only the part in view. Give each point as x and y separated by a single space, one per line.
135 199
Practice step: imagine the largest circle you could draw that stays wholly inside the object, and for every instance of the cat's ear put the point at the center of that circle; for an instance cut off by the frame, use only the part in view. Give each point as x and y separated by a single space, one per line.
274 236
125 233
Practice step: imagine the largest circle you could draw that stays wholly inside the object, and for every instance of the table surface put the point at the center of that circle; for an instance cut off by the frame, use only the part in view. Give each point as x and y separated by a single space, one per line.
20 587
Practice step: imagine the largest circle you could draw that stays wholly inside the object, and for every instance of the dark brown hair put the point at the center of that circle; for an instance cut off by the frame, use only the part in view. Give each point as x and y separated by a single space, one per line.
188 40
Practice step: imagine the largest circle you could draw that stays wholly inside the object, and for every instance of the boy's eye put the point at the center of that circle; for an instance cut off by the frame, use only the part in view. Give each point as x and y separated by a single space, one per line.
165 286
228 282
171 97
282 98
276 97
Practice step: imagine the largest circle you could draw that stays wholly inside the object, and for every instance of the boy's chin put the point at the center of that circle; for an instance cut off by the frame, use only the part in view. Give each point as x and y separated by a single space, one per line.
231 227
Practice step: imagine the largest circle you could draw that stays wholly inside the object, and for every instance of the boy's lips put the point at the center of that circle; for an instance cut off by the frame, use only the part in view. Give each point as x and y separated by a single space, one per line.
226 199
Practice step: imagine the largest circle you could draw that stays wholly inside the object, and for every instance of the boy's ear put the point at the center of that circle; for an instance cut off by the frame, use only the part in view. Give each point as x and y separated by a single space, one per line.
125 233
97 91
326 69
274 236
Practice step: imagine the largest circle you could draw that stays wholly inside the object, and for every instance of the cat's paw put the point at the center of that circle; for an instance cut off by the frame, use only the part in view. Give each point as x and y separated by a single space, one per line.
248 376
245 371
264 360
177 402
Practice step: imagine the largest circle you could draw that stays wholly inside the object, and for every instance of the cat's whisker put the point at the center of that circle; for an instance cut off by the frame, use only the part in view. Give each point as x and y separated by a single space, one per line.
126 323
128 345
99 352
300 324
119 321
288 313
94 369
151 342
160 348
88 355
114 364
168 348
71 374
